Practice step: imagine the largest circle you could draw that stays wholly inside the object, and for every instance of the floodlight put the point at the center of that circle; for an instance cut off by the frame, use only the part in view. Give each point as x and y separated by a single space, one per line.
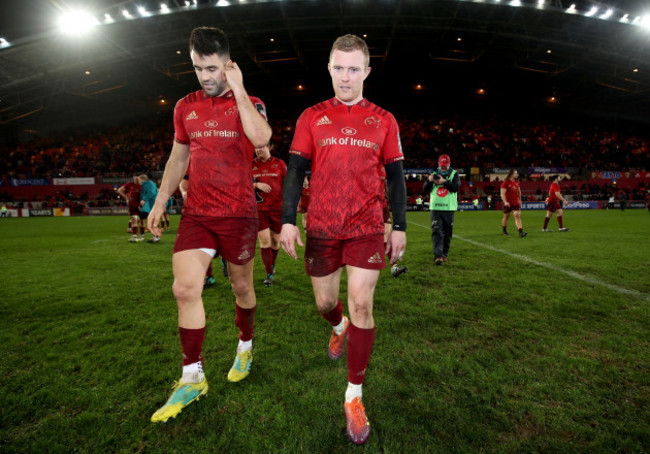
126 14
164 7
625 19
540 3
572 9
143 12
76 22
607 14
515 3
194 2
108 19
223 3
187 3
4 43
592 11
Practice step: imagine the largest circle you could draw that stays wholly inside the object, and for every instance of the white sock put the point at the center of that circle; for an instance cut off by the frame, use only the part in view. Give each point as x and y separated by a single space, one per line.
244 345
353 392
338 329
193 373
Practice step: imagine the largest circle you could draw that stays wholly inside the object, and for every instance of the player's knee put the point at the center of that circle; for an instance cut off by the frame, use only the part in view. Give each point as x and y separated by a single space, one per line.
362 310
241 287
184 292
325 304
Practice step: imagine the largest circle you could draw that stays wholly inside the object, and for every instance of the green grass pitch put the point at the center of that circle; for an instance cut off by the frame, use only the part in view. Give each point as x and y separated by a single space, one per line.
530 345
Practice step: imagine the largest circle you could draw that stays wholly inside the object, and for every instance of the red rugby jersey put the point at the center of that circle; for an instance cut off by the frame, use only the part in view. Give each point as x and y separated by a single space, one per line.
133 191
220 166
348 147
512 191
555 187
271 172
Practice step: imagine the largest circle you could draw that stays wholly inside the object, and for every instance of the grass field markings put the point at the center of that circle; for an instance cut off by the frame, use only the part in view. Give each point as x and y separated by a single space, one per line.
573 274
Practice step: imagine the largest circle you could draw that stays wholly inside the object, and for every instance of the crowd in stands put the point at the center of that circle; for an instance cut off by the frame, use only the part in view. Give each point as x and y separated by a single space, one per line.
143 147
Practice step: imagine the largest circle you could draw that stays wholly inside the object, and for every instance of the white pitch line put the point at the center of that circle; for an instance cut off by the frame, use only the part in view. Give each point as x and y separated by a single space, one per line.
573 274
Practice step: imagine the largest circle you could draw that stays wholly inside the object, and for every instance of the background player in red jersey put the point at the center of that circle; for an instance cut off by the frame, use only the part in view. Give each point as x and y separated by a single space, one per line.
131 193
511 198
269 173
219 126
553 205
350 142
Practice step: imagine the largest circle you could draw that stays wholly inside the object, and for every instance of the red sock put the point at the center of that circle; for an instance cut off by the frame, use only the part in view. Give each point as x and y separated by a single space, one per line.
335 315
141 231
167 224
245 321
192 344
209 272
359 346
546 222
267 258
274 253
559 221
134 230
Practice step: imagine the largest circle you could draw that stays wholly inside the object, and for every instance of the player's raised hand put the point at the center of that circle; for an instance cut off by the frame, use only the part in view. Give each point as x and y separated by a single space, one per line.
234 76
289 236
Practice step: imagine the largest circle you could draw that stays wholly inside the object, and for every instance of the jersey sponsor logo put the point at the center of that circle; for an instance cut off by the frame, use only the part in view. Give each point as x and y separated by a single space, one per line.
323 121
376 258
211 124
244 255
213 133
232 111
372 121
261 109
349 131
192 116
442 192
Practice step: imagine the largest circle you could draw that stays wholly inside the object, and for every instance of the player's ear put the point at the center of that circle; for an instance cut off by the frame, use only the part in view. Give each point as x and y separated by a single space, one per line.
365 76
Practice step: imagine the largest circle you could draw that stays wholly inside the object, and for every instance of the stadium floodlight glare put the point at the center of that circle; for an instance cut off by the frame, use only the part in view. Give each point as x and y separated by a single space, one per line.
194 2
187 3
607 14
625 19
592 11
540 3
223 3
143 11
76 22
515 3
4 43
108 19
126 14
164 8
572 9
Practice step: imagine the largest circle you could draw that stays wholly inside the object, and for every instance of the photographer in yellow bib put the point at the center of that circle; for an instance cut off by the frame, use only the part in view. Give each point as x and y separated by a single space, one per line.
443 184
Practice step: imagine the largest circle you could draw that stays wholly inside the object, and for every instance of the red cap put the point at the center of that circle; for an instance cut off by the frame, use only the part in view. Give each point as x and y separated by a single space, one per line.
444 160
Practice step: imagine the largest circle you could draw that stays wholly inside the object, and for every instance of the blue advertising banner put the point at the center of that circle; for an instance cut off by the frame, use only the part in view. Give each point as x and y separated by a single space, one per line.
29 182
465 206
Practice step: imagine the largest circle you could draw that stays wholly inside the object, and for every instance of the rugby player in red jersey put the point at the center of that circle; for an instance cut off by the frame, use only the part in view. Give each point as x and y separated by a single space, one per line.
352 144
553 205
131 193
269 173
511 198
219 126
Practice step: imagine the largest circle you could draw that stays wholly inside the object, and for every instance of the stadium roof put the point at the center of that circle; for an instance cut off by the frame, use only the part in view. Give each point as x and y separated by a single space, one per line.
423 52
